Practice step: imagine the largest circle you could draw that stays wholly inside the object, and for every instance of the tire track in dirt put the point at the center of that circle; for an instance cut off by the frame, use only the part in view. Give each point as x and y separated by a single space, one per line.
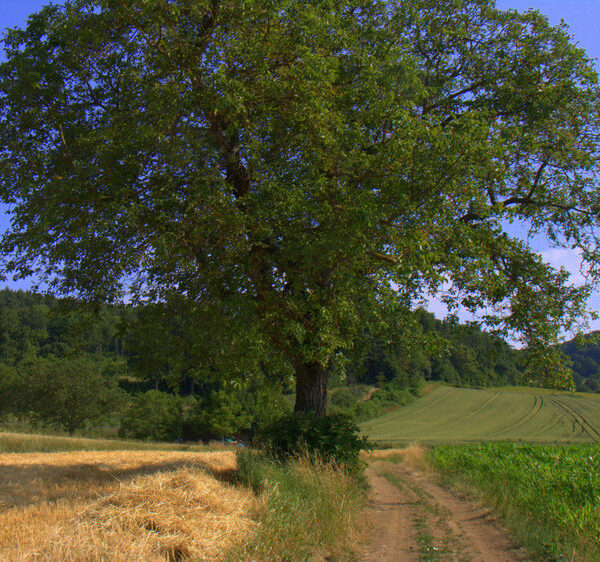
391 512
414 518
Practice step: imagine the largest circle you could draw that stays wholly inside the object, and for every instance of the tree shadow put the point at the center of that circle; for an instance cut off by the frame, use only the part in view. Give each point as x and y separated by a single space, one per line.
22 485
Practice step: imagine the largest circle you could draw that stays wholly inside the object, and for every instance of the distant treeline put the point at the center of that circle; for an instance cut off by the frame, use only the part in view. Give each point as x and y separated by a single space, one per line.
457 354
150 342
46 341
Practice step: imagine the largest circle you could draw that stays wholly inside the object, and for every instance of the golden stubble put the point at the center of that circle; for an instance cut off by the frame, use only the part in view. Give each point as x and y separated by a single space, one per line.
414 456
122 506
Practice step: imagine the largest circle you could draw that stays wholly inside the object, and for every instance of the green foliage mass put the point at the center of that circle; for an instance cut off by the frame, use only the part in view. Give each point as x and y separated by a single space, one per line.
353 402
584 354
8 389
68 392
217 415
220 413
33 324
286 168
332 438
422 348
154 415
548 495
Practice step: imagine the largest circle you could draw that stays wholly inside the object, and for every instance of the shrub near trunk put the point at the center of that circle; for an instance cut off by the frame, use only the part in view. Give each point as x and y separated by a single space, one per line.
332 438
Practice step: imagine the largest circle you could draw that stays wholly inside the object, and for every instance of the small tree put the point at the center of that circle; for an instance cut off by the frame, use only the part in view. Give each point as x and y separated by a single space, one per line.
67 392
218 415
153 415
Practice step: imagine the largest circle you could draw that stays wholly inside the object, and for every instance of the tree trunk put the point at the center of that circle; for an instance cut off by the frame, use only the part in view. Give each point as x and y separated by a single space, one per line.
311 388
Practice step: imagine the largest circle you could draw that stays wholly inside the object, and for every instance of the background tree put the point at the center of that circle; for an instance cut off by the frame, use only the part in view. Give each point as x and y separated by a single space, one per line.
286 167
153 415
8 390
66 392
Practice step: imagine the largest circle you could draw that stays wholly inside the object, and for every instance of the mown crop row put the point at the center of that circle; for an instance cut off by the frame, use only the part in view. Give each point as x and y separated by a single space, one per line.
450 415
549 496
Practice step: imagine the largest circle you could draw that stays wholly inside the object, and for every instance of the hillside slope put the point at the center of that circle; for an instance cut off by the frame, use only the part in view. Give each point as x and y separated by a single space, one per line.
450 414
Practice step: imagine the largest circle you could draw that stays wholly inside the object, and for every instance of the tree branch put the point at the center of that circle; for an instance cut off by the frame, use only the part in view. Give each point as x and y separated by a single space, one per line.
384 257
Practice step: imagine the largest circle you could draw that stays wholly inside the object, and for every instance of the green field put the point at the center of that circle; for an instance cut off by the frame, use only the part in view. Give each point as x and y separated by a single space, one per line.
449 414
548 496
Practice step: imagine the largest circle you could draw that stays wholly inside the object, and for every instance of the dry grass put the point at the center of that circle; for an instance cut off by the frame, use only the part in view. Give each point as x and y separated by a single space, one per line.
414 455
383 454
121 506
311 510
31 442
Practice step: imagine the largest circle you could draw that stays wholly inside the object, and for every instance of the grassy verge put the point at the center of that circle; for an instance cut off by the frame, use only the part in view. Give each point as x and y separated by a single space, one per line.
310 509
549 496
31 443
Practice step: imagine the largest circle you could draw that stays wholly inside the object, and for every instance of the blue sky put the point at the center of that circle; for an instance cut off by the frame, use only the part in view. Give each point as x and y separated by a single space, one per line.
582 16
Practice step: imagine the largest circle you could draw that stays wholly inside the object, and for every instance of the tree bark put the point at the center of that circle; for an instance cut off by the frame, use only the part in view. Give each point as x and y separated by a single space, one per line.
311 388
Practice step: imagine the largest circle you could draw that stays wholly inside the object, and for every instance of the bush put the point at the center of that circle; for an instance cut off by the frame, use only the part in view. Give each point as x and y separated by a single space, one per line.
333 438
388 397
67 392
218 415
266 405
346 397
155 416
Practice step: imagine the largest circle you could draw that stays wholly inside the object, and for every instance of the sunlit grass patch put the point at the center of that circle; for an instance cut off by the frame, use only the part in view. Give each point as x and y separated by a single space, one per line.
28 442
311 510
549 496
122 506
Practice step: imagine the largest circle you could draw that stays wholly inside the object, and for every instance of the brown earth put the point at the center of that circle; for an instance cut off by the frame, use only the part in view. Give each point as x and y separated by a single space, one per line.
414 518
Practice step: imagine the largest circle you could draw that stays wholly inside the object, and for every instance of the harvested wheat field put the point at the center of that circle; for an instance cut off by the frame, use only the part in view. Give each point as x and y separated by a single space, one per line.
121 506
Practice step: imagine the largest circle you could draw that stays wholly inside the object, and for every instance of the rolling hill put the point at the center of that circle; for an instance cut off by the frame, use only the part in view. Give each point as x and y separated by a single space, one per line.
450 414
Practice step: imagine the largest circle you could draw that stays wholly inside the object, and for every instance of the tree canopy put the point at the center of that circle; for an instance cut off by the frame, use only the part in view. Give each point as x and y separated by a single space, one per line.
294 168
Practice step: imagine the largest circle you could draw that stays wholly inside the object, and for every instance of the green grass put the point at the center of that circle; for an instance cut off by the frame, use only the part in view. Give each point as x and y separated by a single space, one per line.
32 443
312 510
451 415
549 496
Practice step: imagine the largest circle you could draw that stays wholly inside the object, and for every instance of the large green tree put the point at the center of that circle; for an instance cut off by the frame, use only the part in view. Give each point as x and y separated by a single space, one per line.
291 166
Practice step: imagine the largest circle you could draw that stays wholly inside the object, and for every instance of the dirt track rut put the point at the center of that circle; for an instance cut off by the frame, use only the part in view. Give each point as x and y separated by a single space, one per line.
413 518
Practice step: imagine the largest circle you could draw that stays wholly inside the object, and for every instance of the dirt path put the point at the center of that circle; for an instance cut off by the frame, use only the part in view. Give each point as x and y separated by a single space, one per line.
413 518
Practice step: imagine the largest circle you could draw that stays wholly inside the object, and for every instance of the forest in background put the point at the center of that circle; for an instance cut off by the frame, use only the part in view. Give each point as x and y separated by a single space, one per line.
134 361
584 353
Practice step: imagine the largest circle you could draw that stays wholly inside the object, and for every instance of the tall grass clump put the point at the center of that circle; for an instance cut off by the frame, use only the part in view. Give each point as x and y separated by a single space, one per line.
549 496
310 508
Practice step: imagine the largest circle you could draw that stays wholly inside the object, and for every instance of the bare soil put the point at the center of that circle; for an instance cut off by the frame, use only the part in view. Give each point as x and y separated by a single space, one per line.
414 518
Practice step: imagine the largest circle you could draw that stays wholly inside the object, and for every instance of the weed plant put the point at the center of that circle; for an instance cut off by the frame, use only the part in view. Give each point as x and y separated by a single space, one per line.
549 496
311 510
